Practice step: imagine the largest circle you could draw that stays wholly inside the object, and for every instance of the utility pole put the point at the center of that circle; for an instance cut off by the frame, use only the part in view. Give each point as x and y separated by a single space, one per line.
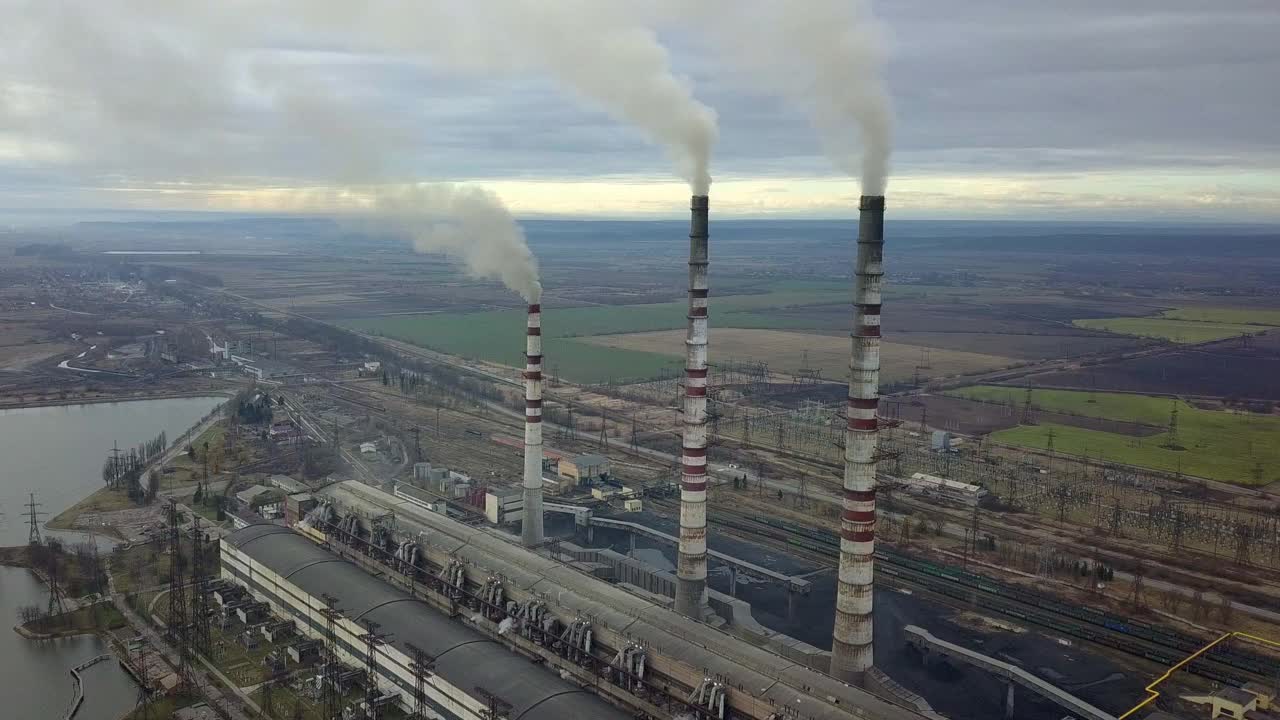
33 519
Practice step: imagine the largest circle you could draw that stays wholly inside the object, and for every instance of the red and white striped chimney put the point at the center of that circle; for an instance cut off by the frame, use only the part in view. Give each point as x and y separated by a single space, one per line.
691 568
531 529
851 649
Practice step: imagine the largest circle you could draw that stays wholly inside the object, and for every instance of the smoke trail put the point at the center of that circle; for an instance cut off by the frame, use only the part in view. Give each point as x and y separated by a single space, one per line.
826 56
601 50
168 87
467 223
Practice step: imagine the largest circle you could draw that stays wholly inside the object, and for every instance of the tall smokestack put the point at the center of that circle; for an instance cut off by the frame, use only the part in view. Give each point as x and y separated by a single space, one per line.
531 530
691 570
851 649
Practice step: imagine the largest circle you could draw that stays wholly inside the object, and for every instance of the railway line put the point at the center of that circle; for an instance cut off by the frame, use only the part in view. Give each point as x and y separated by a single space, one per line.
1158 644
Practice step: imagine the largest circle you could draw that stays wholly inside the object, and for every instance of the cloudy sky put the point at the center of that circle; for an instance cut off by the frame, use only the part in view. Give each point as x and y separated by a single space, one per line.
1002 108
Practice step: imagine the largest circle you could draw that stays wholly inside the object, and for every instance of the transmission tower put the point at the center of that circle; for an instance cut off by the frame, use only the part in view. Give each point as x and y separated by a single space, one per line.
372 641
144 684
417 444
33 519
1026 418
497 708
423 666
200 571
55 589
1172 443
179 631
332 693
604 429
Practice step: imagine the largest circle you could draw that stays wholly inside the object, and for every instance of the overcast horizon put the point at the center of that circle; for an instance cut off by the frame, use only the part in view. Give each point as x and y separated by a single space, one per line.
1002 110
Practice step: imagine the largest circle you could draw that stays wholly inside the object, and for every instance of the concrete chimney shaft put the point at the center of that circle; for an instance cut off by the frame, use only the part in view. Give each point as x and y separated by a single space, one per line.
691 569
851 651
531 530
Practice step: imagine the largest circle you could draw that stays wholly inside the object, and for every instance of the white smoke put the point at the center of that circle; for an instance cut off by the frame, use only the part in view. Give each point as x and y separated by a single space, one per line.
467 223
825 56
163 87
603 51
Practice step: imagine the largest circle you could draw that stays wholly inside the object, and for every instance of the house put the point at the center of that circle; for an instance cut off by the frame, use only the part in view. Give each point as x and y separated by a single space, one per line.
584 469
265 501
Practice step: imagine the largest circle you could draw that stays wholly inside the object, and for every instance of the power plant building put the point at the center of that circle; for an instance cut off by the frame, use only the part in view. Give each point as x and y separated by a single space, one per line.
292 574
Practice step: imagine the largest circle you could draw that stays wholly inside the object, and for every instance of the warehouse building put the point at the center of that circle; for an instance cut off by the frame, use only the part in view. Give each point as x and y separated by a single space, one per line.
292 574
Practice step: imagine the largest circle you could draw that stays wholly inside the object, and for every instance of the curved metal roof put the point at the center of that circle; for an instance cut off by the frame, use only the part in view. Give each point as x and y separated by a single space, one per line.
464 657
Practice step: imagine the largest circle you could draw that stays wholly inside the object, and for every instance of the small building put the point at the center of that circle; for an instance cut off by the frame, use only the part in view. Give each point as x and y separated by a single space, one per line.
585 469
940 441
277 631
228 595
297 506
944 488
305 651
1228 702
504 505
1266 695
368 448
252 613
287 484
265 501
283 430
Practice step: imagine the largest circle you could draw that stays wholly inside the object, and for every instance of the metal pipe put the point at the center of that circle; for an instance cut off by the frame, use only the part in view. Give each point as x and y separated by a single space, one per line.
691 569
851 649
531 528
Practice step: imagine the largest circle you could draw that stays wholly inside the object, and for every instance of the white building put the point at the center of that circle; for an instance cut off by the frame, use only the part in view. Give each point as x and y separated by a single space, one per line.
944 488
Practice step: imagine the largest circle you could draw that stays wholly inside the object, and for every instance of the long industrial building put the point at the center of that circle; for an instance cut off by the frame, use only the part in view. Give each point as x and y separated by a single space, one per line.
685 662
294 575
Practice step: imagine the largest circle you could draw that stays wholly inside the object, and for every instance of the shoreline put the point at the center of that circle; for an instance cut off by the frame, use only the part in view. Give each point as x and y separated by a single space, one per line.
174 395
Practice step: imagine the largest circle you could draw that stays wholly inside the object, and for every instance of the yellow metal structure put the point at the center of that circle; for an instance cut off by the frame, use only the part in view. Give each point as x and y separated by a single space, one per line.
1152 693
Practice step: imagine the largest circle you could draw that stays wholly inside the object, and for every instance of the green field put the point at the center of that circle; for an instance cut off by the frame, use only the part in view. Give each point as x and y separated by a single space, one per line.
498 335
1181 331
1220 445
1238 316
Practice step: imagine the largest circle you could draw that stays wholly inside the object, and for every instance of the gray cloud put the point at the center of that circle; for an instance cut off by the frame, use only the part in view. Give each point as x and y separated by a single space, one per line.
985 87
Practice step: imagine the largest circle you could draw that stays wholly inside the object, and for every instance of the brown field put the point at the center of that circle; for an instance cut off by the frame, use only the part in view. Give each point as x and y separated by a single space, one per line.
978 418
784 352
1228 368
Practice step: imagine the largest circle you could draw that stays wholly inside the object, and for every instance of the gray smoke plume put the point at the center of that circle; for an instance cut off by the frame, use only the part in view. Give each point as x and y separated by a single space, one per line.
467 223
826 56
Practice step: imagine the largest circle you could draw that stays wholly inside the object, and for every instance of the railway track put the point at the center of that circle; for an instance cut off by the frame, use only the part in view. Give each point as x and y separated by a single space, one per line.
1158 644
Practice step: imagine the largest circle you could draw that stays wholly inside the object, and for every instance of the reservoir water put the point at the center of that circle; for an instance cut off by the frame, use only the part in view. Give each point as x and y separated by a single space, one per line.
57 452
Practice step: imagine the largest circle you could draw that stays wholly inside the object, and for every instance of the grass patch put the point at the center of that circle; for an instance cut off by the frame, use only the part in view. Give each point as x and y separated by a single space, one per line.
163 706
498 336
100 616
1231 446
1238 316
101 500
1179 331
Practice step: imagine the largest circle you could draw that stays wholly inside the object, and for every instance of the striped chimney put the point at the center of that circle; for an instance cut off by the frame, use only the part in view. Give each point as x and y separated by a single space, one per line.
531 530
851 650
691 569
